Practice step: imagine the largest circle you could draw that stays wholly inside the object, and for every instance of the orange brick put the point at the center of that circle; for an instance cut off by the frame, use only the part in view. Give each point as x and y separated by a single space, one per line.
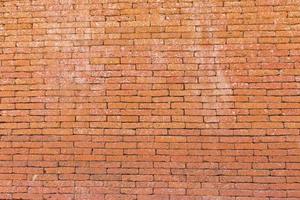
97 61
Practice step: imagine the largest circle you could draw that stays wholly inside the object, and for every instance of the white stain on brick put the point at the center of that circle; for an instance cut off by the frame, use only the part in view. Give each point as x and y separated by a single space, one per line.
34 177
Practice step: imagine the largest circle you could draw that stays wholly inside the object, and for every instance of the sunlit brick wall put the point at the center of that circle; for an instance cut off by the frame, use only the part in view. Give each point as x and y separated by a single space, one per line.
150 99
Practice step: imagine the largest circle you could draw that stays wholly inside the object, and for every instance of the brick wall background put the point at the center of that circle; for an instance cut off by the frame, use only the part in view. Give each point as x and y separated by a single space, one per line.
150 99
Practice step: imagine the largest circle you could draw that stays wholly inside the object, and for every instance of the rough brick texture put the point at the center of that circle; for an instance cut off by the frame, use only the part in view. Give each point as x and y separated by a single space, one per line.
150 99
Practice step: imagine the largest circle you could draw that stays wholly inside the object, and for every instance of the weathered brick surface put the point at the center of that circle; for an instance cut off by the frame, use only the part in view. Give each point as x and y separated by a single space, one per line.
156 99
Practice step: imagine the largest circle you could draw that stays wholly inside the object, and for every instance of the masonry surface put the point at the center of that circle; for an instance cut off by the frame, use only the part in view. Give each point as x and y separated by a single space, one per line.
150 99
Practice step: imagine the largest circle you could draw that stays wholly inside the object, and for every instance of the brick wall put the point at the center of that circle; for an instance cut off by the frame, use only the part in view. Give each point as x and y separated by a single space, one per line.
156 99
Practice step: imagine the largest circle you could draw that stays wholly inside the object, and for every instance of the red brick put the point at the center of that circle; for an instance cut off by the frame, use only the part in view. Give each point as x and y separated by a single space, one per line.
97 61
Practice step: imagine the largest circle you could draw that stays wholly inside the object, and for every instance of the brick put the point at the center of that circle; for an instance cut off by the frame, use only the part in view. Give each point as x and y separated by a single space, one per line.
99 61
